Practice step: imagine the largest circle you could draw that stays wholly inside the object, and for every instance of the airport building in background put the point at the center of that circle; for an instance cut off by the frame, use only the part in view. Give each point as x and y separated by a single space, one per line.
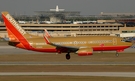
56 15
60 22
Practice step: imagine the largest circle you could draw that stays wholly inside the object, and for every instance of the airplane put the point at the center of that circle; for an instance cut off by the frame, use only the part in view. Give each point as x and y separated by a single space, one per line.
83 46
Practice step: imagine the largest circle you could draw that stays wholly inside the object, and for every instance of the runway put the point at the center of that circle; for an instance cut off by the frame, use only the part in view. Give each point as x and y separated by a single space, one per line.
13 50
108 74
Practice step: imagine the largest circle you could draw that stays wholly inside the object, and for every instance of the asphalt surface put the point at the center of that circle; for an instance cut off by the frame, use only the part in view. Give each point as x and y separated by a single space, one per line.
108 74
67 63
13 50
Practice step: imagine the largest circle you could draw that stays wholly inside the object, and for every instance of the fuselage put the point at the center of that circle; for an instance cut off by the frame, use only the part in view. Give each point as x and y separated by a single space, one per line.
97 43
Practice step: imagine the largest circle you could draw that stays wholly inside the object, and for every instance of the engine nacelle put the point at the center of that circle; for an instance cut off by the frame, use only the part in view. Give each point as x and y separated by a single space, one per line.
85 52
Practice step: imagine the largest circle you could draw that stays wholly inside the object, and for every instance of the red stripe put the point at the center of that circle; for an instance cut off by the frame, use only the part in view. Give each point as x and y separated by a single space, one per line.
109 48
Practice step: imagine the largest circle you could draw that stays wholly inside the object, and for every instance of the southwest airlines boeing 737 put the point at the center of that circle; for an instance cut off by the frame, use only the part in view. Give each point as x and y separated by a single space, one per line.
83 46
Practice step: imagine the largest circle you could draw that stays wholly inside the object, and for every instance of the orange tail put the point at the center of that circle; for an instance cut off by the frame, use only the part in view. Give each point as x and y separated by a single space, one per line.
14 30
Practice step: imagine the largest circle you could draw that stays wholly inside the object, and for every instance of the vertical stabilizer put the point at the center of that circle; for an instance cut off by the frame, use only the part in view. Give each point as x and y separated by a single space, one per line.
15 32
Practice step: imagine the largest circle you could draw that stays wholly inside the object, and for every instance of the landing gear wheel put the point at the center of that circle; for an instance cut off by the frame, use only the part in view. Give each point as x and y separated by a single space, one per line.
117 54
67 56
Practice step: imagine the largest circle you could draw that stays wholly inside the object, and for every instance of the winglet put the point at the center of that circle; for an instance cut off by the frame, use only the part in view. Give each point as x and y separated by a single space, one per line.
46 39
47 34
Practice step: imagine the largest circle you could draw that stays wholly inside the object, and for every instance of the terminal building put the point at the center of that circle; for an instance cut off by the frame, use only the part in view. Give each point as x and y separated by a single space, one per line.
69 29
56 21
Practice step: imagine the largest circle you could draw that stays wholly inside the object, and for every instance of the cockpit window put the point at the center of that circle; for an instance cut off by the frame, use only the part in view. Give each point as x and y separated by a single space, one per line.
124 40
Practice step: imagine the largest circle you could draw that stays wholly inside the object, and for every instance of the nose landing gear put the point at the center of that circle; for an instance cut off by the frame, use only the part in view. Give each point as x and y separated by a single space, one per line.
117 54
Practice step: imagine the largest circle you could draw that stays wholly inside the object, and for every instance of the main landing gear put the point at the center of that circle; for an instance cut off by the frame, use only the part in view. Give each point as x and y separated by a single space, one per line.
68 56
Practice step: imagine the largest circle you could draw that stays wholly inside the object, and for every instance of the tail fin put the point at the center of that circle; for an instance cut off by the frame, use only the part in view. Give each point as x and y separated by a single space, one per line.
16 34
14 30
47 34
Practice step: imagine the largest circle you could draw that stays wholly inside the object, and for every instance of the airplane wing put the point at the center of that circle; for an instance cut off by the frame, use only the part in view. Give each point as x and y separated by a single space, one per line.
81 51
65 48
62 48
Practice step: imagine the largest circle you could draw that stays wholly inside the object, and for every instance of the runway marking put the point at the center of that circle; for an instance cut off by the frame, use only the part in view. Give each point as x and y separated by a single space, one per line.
108 74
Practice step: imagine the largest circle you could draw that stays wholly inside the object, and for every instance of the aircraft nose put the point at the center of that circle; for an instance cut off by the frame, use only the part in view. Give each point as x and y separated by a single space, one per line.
130 43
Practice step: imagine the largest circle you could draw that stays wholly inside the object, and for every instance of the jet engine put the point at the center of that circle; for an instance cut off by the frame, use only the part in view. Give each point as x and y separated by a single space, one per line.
85 52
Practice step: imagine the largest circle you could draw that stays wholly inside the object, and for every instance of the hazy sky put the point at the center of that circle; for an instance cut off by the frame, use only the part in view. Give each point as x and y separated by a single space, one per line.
87 7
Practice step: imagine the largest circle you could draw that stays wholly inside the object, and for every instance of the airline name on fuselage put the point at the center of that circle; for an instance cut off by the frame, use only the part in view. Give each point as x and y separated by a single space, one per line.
15 24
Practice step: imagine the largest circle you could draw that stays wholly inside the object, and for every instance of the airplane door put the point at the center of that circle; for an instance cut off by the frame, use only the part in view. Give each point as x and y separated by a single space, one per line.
114 41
